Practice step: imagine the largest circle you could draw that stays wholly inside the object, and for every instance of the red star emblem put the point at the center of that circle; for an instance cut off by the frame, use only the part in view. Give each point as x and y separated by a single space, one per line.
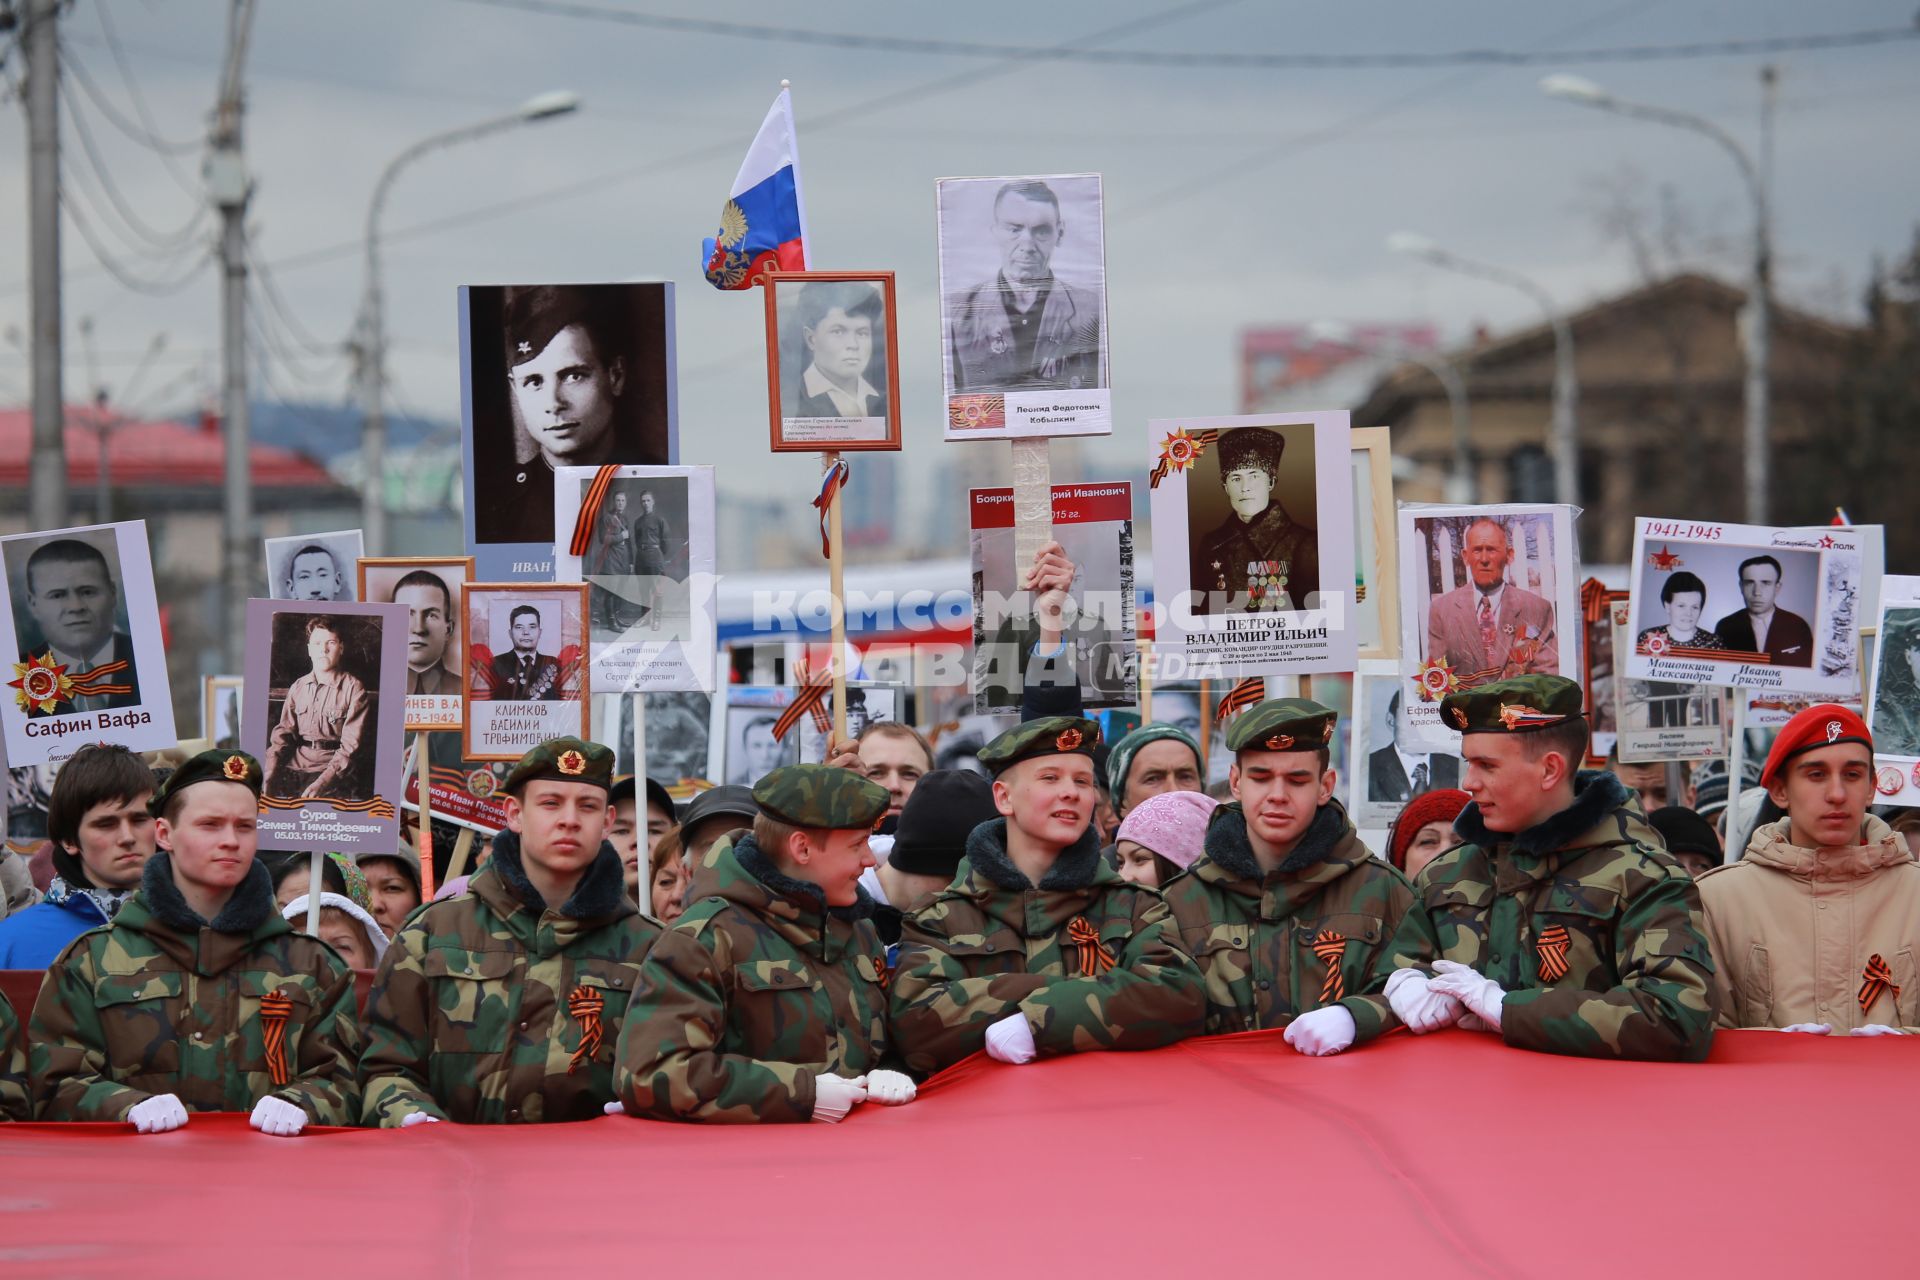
1664 560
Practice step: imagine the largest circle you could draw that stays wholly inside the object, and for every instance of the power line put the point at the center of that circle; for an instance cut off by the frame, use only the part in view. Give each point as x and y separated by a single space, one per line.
166 241
141 132
1221 59
154 288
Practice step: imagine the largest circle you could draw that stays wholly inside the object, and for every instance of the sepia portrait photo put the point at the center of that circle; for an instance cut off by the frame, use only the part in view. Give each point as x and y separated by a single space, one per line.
429 588
833 373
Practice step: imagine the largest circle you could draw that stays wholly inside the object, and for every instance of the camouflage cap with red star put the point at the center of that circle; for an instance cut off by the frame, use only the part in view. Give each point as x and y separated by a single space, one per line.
1282 724
1518 704
1047 736
223 765
563 760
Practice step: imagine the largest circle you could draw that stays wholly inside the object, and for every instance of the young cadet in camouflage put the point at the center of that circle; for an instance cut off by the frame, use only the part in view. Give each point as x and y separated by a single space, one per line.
501 1005
1562 922
14 1101
767 1000
198 996
1038 947
1292 922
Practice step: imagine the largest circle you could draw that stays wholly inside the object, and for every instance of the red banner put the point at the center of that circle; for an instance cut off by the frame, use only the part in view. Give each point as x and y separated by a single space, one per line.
1072 504
1449 1155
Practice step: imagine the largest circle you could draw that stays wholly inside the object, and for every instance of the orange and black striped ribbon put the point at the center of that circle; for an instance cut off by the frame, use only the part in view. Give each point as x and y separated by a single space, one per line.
90 685
1330 947
1244 694
811 700
886 973
1553 945
1875 978
1094 956
275 1010
590 510
1593 599
585 1005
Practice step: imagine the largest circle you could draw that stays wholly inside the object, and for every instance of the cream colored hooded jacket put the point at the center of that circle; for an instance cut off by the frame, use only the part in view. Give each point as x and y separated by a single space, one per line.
1793 931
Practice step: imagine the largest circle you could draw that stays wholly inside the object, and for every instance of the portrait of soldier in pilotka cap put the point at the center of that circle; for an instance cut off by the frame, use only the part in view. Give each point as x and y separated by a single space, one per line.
560 375
1261 554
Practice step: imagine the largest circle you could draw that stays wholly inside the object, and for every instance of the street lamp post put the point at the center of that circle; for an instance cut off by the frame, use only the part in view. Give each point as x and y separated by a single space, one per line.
1460 481
1758 338
370 340
1565 432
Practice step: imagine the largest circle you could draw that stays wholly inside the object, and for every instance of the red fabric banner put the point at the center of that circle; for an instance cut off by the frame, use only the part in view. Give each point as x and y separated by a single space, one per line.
1449 1155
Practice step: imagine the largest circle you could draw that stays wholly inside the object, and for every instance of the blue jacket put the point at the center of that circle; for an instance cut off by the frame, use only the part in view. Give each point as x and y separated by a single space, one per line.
31 939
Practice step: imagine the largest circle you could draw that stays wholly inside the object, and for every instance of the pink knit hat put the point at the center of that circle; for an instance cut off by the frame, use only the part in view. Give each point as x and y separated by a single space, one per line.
1172 824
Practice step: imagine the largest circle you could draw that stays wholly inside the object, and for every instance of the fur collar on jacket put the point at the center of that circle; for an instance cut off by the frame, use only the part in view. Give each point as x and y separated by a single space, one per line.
1075 868
1227 843
802 892
1595 795
250 906
602 891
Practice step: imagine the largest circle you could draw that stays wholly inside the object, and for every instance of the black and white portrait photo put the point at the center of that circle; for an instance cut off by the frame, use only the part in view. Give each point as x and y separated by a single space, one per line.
526 678
313 566
743 748
1391 766
865 705
430 589
638 554
82 634
1023 306
833 372
1251 517
557 376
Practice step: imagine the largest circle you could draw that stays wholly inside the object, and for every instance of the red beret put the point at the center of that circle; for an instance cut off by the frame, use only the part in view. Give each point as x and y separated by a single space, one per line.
1825 724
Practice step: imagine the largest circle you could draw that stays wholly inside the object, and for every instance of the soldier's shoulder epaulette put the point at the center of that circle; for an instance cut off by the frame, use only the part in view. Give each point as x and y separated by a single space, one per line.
702 917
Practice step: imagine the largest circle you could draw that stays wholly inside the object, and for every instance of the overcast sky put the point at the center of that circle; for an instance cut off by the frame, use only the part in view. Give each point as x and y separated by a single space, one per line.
1234 197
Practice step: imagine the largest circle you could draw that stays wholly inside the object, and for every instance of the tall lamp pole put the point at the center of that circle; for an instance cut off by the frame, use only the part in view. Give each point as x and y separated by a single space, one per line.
1460 481
370 340
1565 431
1758 337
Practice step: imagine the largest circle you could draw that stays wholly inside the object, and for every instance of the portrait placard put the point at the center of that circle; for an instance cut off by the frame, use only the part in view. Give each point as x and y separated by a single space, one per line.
1023 314
527 670
464 792
85 626
1600 670
1787 604
320 715
556 375
1658 721
1253 543
1486 592
429 588
743 747
313 566
1894 701
220 703
1376 607
1389 767
833 366
642 539
866 704
1093 523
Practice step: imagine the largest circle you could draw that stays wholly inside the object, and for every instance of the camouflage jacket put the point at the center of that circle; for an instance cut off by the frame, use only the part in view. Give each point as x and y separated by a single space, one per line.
752 993
472 1014
1586 921
161 1001
991 944
1327 926
14 1102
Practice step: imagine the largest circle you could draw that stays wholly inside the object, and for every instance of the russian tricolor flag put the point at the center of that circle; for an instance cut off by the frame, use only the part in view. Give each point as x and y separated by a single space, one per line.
764 225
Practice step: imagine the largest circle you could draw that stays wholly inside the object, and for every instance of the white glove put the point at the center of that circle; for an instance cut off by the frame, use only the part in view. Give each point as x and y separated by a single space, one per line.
834 1096
1810 1028
1415 1002
413 1118
277 1118
1321 1032
1876 1029
890 1088
1011 1040
158 1114
1481 996
614 1108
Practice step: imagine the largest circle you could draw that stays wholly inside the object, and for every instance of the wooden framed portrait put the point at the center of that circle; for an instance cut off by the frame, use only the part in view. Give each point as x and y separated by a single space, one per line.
1376 605
526 667
430 587
833 364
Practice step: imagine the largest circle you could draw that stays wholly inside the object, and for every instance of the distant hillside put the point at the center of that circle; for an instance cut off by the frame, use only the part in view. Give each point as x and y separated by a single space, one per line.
325 432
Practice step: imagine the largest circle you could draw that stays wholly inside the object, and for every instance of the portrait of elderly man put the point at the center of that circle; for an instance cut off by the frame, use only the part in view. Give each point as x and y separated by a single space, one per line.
1259 559
568 380
1488 628
839 321
1764 627
319 747
429 605
523 673
1026 329
72 598
314 574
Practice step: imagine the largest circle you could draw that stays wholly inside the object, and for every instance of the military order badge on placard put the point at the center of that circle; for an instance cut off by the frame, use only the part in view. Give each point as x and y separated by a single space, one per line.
322 713
83 633
1023 307
1750 605
1486 593
642 538
429 587
1093 523
1253 545
527 667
